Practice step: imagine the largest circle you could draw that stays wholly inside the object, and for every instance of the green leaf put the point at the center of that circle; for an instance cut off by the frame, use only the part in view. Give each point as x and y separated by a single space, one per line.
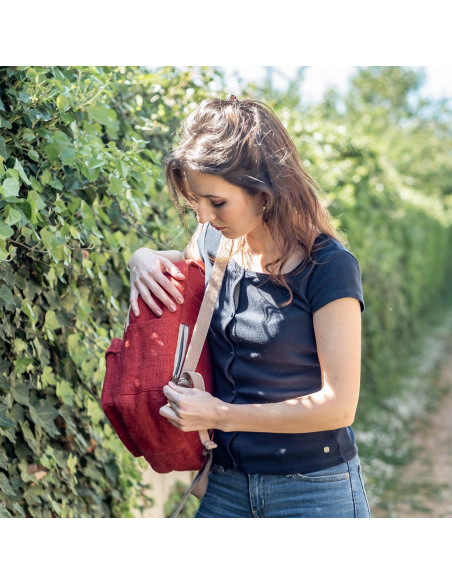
5 422
29 437
67 155
5 230
106 117
47 377
10 190
6 297
56 184
4 123
21 394
65 391
62 102
51 320
116 185
43 415
5 486
5 151
12 215
3 459
46 177
27 309
20 170
72 463
26 209
24 97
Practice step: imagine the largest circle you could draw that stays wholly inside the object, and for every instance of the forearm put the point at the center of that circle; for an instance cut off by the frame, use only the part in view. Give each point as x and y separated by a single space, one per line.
315 412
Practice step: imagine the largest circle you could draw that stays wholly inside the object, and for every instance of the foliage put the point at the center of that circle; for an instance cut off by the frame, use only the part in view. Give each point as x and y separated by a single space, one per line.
363 148
190 506
81 186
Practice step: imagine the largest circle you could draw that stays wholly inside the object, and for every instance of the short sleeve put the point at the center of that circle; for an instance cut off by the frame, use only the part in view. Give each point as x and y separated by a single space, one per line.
208 242
336 276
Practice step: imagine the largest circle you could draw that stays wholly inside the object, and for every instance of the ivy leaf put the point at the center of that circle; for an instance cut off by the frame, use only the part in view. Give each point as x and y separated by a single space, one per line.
29 437
5 230
72 463
6 298
12 215
51 320
4 150
65 391
5 422
3 460
43 415
5 486
47 377
10 190
20 170
21 394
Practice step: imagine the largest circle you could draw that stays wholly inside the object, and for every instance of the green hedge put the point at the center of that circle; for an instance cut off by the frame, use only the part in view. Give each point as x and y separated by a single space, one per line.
400 237
81 187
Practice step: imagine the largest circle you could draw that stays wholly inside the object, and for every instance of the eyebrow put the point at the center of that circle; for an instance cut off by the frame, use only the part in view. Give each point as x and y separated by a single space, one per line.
210 196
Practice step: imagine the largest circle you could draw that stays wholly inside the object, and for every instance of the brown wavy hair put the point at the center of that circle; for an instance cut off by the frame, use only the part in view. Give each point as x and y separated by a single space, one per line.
245 143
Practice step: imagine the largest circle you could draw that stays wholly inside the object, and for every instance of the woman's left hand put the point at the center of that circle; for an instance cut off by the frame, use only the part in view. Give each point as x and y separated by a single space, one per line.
190 409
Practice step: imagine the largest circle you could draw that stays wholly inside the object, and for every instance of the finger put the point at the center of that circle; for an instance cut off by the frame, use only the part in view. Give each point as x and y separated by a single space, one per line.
166 412
169 287
173 270
134 300
174 390
147 297
150 286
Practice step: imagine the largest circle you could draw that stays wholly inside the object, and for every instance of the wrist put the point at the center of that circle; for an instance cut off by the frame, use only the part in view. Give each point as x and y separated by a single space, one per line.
223 416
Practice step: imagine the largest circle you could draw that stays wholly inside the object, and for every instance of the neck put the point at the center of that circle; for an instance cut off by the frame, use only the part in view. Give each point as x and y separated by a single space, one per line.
261 243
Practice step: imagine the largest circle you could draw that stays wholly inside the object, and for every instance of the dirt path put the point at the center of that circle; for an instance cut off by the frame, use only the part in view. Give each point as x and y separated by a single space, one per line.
424 487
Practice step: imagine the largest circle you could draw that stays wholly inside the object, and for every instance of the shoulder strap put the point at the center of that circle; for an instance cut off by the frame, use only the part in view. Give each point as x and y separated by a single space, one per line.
208 304
194 352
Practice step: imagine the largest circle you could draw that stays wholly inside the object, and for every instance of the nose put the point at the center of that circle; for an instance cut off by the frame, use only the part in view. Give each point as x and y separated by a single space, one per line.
204 212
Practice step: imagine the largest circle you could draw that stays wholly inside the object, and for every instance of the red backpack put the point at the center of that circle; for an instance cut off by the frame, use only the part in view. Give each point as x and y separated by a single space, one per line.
152 353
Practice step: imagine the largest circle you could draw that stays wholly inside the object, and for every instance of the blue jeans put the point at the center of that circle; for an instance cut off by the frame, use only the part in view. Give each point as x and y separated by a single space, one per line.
334 492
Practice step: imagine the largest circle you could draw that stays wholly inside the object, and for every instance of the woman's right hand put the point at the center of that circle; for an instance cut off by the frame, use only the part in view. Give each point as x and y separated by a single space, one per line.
147 279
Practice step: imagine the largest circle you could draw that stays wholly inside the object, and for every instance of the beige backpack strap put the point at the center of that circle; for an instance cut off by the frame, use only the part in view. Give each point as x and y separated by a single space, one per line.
189 377
207 306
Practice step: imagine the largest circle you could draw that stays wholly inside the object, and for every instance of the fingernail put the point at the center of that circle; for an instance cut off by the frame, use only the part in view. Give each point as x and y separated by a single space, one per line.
180 299
136 313
172 308
158 312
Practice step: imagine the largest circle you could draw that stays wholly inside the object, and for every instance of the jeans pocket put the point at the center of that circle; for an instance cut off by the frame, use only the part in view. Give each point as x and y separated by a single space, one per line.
339 472
321 478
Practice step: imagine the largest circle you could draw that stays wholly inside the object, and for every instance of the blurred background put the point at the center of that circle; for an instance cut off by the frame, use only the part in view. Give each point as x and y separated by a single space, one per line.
82 187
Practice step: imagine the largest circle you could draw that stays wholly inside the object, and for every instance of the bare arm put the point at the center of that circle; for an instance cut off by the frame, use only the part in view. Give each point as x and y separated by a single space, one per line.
338 334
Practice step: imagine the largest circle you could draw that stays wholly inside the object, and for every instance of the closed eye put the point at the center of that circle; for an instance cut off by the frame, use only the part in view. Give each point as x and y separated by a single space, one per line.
216 205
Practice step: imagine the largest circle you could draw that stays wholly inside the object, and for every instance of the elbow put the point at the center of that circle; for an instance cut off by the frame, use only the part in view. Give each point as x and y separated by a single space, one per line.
349 418
347 414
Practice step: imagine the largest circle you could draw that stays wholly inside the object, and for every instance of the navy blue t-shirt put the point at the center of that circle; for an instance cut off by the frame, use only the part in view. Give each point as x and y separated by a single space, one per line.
263 352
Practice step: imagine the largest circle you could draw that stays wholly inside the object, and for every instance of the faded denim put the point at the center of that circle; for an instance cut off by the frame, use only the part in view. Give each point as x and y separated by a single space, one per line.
336 492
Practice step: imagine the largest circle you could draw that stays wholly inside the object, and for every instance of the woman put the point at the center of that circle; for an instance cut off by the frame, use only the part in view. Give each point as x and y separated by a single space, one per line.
285 334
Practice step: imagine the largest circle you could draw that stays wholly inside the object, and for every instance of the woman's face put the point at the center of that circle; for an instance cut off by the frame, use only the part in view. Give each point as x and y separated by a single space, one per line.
225 206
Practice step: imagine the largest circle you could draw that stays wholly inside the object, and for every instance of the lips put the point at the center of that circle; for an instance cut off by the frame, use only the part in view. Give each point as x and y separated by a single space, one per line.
218 228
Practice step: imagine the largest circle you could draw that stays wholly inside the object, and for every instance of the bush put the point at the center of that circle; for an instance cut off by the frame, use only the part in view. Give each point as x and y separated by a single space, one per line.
81 187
